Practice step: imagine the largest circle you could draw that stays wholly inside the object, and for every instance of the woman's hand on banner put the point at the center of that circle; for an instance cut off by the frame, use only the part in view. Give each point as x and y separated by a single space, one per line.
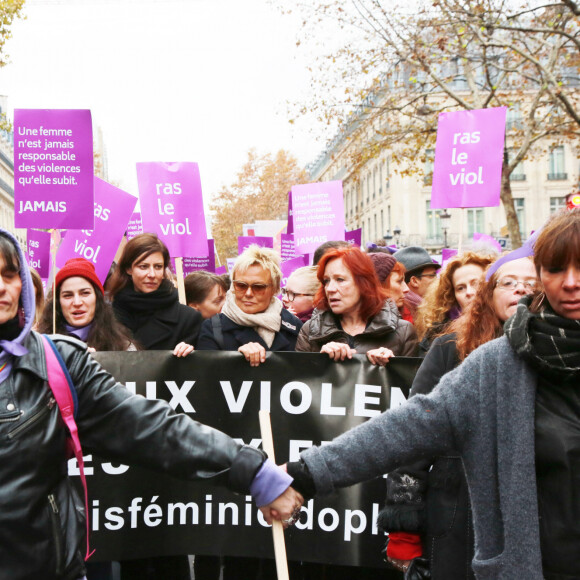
254 353
380 356
286 508
182 349
338 350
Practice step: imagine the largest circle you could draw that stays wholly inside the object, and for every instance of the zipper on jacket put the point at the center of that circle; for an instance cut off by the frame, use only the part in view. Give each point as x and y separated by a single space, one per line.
55 520
30 421
12 419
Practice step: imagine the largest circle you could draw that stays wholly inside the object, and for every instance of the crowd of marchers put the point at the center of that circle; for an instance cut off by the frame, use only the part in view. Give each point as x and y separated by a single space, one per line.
482 460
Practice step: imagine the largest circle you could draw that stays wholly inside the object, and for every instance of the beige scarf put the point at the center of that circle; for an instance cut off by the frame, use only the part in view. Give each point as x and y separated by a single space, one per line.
266 323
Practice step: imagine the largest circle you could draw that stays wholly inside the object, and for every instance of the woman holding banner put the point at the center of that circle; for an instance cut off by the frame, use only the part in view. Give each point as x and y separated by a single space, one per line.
146 302
42 523
512 412
353 314
81 310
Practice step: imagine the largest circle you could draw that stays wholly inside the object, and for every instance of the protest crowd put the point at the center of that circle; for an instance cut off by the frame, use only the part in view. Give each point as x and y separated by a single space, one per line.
478 470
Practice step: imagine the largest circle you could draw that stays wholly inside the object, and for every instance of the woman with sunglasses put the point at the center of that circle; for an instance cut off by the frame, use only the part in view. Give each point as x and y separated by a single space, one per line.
252 320
298 294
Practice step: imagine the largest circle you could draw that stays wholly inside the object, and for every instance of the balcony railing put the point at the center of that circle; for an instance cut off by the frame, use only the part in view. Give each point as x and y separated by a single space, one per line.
557 176
518 177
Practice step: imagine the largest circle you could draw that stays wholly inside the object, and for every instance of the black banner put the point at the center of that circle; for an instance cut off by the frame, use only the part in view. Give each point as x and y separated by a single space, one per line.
137 513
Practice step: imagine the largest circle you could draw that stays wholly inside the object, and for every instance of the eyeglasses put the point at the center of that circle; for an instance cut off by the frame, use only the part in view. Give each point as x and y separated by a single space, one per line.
511 283
257 289
291 295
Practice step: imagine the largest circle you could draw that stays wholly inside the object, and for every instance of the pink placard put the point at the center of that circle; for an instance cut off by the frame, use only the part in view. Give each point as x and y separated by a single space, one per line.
468 159
113 208
318 214
193 264
484 239
172 206
135 226
446 255
287 248
53 169
354 237
245 242
38 246
290 266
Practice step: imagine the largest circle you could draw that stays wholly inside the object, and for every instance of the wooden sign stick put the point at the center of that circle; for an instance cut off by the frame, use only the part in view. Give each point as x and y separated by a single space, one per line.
180 282
277 528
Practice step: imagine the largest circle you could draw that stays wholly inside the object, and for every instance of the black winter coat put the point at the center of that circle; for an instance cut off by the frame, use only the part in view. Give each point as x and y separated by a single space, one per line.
235 335
431 497
157 320
42 524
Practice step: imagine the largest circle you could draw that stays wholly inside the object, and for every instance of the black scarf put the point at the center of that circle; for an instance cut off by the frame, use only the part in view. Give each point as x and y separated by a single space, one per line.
133 308
548 342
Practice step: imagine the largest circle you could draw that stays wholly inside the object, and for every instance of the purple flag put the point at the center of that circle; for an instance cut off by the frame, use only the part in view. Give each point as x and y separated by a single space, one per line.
446 255
172 206
318 214
39 251
220 270
354 237
113 208
53 169
135 226
287 249
206 263
468 158
290 265
246 241
484 238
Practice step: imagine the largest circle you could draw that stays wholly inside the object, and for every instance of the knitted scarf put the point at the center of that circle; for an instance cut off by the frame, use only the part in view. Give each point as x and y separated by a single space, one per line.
548 342
266 323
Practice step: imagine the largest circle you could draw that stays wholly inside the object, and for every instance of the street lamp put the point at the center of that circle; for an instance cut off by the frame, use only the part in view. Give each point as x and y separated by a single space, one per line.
388 236
445 218
397 232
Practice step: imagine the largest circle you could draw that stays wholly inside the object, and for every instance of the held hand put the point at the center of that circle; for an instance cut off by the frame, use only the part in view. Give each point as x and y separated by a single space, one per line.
182 349
380 356
254 353
291 309
285 508
402 565
338 350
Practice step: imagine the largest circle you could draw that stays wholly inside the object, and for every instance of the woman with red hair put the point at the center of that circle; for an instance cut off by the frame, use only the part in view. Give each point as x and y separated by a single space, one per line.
353 314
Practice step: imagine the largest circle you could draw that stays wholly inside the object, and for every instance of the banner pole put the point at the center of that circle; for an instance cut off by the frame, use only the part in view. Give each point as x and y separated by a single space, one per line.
180 282
54 234
277 528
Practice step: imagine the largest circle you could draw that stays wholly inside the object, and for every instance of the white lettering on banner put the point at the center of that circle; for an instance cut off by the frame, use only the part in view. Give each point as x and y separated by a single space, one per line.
462 159
236 405
305 399
180 395
296 446
44 206
87 252
101 212
361 400
326 407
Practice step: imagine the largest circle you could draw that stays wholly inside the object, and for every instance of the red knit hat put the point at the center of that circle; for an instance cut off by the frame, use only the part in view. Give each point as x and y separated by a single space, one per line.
78 267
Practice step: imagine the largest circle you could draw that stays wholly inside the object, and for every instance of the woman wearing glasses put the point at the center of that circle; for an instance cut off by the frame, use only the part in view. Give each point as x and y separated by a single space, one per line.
427 511
298 294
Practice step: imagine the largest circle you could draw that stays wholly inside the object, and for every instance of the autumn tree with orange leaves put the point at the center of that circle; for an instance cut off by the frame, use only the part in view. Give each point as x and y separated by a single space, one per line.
259 193
399 65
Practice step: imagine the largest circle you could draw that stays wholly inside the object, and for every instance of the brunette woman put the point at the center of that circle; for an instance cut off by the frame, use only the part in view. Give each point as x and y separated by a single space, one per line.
146 302
206 292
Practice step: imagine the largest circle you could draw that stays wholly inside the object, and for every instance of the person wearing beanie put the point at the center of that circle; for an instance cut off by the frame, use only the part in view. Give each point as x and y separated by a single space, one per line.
111 421
81 310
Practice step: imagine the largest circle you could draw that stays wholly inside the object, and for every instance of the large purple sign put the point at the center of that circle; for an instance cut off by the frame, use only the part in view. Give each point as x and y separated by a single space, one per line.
53 169
172 206
354 237
135 226
290 266
245 242
113 208
192 264
38 245
318 214
468 159
287 248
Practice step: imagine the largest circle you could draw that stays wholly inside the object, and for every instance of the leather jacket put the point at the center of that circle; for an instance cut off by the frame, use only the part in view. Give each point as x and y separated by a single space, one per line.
42 526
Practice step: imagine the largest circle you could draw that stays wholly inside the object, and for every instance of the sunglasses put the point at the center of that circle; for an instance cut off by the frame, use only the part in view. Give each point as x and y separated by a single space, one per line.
257 289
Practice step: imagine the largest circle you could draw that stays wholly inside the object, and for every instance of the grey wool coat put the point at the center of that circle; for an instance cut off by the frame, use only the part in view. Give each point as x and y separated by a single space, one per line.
485 410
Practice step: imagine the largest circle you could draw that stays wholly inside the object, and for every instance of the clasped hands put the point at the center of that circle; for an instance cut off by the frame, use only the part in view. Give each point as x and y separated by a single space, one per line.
285 508
340 351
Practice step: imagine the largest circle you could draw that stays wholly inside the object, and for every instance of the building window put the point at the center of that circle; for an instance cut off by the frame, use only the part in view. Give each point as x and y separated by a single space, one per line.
376 236
380 179
557 167
374 184
514 117
368 188
556 204
388 172
428 167
518 173
382 224
520 213
475 223
434 231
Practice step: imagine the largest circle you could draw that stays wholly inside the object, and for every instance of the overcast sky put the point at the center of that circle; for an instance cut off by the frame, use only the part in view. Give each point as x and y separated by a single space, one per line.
166 80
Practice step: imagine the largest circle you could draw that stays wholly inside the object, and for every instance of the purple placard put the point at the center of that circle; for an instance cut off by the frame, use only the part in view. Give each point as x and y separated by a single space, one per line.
172 206
112 208
230 263
290 225
290 265
245 241
221 270
135 226
446 255
206 263
484 239
53 169
468 158
318 214
354 237
38 244
287 249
